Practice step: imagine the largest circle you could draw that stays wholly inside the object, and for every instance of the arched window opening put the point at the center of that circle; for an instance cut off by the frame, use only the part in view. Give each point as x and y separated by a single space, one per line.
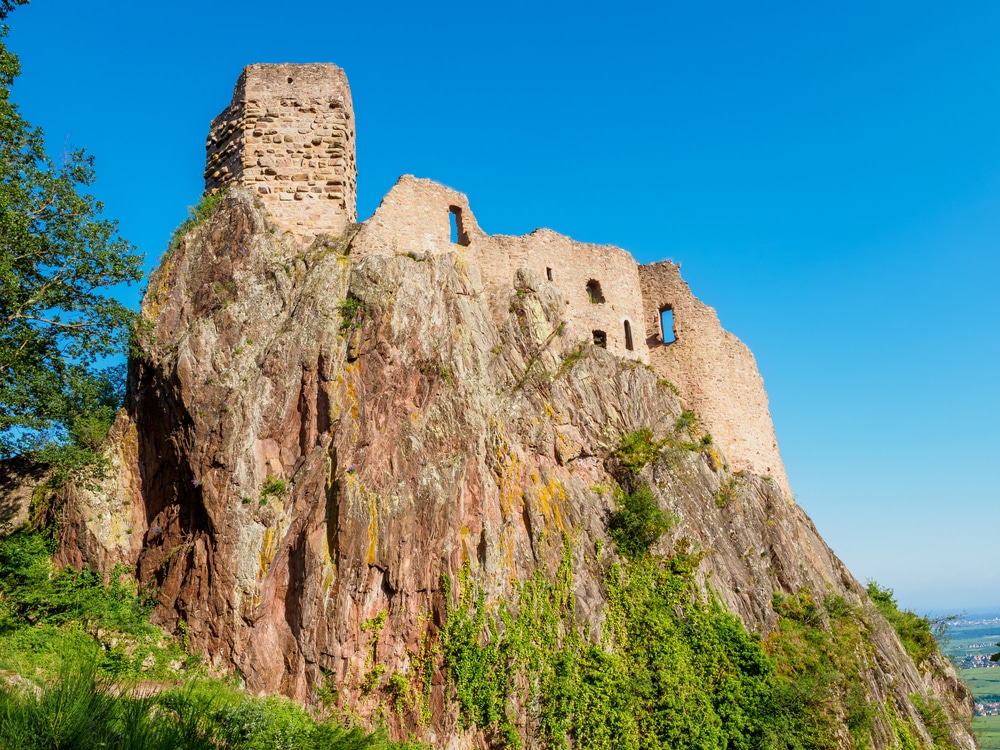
601 339
594 292
667 334
458 234
628 335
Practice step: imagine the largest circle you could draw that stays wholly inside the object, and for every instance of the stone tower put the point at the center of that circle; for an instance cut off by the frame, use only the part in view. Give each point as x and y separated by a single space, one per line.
288 136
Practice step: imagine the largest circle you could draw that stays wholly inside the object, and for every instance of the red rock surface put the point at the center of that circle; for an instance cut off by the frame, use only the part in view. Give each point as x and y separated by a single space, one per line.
294 470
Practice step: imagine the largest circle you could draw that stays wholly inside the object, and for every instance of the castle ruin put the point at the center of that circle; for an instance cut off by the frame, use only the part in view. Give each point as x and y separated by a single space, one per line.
288 136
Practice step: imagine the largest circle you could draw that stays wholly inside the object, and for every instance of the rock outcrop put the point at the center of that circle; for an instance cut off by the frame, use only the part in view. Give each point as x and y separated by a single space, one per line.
314 437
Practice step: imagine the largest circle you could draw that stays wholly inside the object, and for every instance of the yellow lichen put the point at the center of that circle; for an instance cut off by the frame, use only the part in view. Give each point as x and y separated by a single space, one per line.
372 528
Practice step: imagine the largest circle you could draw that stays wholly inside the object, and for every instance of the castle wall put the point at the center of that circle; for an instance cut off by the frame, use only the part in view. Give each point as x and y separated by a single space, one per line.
612 300
288 136
416 217
715 372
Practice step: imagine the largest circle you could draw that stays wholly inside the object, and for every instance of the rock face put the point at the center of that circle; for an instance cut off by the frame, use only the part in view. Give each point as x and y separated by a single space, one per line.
317 435
312 440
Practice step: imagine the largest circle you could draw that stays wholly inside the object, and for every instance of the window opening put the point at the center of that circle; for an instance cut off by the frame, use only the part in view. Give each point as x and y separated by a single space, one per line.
458 233
601 339
594 292
628 335
548 274
667 334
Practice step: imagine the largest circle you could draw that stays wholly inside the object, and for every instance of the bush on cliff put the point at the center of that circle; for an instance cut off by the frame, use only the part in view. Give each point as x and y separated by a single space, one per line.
914 631
637 523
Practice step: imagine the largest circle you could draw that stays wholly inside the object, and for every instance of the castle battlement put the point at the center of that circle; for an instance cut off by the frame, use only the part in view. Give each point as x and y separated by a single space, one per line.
288 136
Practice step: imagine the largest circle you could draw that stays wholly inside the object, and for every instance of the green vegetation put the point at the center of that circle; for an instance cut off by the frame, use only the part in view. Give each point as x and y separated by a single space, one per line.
726 493
273 487
571 359
197 215
819 654
81 711
50 616
673 670
669 385
987 729
78 645
984 682
351 312
914 631
58 324
637 449
637 523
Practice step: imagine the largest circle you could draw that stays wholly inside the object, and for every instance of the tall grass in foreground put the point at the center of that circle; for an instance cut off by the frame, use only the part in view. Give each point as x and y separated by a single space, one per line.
81 711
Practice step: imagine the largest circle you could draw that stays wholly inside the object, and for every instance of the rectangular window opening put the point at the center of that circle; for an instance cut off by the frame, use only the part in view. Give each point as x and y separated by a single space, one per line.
628 335
601 339
458 234
667 334
548 274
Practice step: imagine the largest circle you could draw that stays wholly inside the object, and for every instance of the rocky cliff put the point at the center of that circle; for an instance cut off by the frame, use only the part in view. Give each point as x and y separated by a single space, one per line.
328 454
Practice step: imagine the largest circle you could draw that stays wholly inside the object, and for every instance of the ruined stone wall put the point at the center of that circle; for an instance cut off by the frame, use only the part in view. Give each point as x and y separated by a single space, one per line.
599 284
715 371
288 136
417 217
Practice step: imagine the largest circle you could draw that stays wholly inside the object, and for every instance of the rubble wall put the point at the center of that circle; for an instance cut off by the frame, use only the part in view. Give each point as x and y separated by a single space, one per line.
716 373
288 136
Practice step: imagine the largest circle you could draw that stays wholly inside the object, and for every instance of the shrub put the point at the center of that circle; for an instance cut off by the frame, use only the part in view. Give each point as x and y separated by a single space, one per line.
637 449
197 215
351 311
914 632
273 487
638 523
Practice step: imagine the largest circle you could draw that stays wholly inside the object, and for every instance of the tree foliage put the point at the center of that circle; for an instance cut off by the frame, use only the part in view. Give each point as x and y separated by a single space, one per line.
59 264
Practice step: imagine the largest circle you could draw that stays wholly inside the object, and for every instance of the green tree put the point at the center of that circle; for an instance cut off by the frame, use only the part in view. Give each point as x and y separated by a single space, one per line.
59 263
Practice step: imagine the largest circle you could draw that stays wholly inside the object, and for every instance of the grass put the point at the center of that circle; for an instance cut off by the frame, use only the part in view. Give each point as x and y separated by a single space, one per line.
81 710
75 646
273 487
637 449
987 729
571 359
914 631
197 215
982 681
49 616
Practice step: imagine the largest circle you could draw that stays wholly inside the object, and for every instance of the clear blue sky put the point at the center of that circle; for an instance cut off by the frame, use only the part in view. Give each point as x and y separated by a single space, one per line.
829 175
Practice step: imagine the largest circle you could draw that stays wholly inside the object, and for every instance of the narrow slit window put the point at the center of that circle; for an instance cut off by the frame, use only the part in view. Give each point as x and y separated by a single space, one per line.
667 334
601 339
458 233
628 335
548 274
594 292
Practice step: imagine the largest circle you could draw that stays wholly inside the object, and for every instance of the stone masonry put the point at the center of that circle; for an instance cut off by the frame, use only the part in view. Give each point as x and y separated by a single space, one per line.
715 372
289 137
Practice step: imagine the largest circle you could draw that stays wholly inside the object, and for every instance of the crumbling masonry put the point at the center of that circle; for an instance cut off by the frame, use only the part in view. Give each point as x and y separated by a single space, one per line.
288 136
